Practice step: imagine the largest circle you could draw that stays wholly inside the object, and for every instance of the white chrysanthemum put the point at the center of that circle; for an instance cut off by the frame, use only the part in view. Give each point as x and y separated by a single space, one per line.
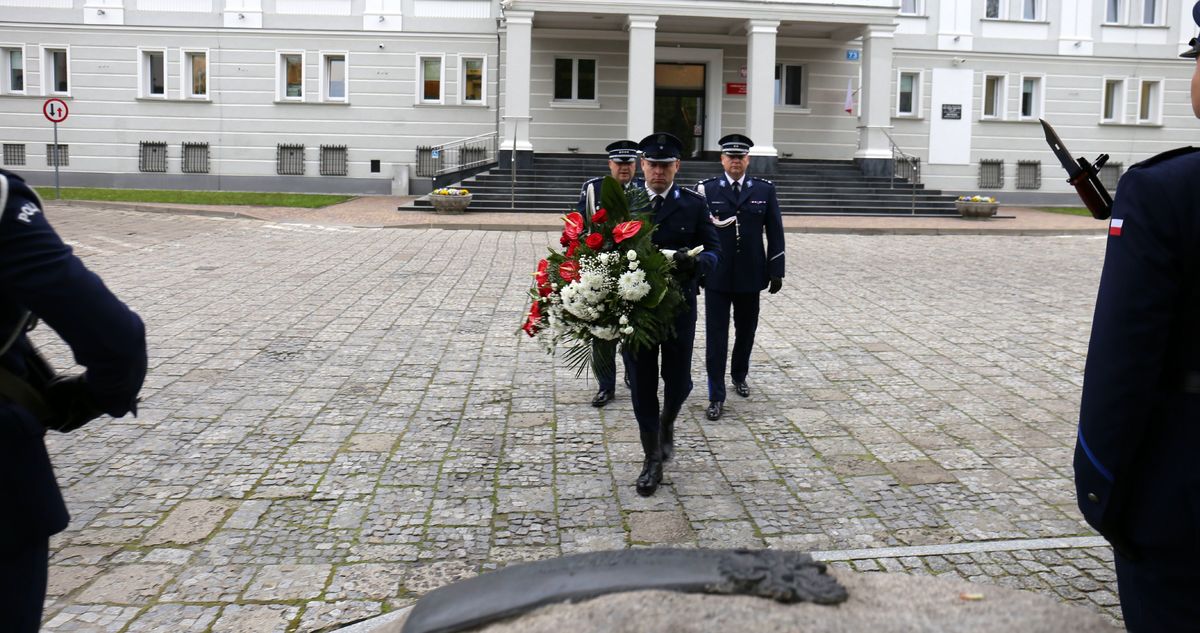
624 320
632 255
633 265
607 333
632 286
627 330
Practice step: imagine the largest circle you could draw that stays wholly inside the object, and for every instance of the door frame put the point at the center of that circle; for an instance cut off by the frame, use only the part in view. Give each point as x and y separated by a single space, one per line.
714 77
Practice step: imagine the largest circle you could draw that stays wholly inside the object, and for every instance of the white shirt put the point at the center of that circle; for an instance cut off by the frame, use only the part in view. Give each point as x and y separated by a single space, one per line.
740 182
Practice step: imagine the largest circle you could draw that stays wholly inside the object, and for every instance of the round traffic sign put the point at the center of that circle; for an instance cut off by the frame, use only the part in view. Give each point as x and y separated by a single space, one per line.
55 110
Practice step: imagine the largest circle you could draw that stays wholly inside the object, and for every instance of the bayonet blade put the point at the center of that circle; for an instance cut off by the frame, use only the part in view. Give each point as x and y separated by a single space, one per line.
1060 150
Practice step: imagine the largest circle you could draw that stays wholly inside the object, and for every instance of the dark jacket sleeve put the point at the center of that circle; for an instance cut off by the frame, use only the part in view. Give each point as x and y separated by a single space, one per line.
707 233
775 246
39 272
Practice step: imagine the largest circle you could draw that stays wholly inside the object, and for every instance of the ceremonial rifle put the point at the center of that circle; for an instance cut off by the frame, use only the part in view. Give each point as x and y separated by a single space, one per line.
1082 175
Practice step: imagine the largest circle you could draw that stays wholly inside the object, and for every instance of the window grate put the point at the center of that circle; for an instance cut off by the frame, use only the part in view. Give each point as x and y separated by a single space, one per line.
61 158
991 174
428 161
152 156
14 153
1029 174
289 160
195 158
333 160
1110 175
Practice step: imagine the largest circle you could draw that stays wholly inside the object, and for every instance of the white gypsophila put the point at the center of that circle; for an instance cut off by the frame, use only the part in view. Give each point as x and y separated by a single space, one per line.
627 330
632 286
624 320
631 255
607 333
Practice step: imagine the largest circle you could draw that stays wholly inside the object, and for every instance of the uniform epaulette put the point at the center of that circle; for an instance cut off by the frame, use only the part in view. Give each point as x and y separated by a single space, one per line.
709 179
763 180
1167 155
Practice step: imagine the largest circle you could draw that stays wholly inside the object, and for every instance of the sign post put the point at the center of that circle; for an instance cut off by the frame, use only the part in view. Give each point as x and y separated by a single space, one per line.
55 110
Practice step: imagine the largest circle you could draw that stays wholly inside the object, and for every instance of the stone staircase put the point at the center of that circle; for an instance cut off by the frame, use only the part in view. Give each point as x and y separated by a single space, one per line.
805 187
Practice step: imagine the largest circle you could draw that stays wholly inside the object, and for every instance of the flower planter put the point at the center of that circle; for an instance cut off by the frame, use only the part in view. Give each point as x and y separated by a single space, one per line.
449 204
976 210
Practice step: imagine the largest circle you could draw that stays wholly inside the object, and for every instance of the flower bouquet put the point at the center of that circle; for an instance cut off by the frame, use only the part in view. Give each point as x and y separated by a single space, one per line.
609 282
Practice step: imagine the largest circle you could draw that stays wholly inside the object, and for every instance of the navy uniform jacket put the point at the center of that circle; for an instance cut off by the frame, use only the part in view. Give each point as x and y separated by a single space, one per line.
745 267
594 185
1136 473
39 273
683 223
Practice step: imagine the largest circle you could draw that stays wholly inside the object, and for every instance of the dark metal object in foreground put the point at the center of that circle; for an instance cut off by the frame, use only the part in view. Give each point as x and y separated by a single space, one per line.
784 576
1082 175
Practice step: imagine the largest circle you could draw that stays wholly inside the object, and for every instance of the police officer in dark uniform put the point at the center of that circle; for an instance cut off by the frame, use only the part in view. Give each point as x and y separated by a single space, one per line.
1136 477
40 279
743 207
683 223
622 165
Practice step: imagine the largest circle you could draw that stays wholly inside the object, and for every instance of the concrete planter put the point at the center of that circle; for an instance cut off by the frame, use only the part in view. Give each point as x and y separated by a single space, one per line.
976 210
449 205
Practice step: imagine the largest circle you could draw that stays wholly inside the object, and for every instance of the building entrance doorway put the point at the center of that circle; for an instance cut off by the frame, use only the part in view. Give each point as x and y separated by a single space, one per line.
679 103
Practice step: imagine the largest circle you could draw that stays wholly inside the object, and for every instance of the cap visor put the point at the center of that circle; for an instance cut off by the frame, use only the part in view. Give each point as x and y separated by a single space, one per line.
669 159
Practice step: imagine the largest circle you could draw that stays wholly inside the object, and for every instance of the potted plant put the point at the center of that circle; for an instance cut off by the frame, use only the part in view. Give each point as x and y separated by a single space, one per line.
450 201
976 207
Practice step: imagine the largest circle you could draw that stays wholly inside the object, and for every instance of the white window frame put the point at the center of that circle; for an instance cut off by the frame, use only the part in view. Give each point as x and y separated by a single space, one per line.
47 66
1159 9
782 82
1156 103
1039 11
1001 10
1001 98
6 51
323 75
420 93
917 93
143 72
1039 97
574 98
462 80
1118 99
918 8
1122 12
185 74
281 75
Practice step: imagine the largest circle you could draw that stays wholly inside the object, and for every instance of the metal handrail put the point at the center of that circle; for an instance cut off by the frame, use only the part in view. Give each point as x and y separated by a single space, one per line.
914 170
460 154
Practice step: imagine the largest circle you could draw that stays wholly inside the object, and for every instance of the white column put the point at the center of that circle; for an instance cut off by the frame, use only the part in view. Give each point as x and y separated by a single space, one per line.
760 91
875 99
519 30
639 116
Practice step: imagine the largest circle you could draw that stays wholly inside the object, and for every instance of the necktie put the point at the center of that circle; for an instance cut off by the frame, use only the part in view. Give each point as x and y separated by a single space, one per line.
737 188
657 204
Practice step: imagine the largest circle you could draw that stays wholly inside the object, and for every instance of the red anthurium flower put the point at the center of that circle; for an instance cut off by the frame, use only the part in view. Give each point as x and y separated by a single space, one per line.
571 248
574 225
599 216
533 319
626 230
564 240
595 240
569 270
542 276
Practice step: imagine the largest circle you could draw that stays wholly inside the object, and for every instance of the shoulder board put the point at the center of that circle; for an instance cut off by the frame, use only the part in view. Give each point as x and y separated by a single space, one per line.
710 179
596 179
763 180
1165 156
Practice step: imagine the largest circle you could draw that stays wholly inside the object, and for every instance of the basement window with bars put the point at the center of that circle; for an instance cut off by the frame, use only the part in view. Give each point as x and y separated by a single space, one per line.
991 174
195 158
333 160
152 156
1029 174
289 160
1110 175
14 153
58 155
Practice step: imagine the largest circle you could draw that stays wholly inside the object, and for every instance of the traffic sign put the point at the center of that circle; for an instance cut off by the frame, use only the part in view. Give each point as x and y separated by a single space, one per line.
55 110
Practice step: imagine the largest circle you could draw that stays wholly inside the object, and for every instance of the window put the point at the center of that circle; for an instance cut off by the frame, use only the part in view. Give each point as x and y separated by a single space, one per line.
152 156
908 97
1030 10
908 7
14 70
1029 174
429 79
14 153
291 76
1114 98
333 77
152 73
789 85
1113 10
195 158
471 83
991 174
1150 12
994 89
195 74
991 9
56 71
1149 98
1110 175
333 160
1031 97
289 160
575 79
58 155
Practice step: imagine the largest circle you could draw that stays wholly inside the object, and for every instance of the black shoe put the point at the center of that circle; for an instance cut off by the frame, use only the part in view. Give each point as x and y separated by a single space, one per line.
602 398
651 475
715 409
741 388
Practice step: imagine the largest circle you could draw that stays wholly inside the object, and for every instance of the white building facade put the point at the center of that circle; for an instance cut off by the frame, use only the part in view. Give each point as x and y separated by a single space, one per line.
343 95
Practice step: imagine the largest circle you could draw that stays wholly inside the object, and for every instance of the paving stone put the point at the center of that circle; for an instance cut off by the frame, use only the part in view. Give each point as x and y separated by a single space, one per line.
659 527
264 618
189 522
288 582
128 584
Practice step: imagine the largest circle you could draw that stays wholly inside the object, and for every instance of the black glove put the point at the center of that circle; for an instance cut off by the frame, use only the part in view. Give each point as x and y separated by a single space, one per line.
684 263
775 285
70 403
702 280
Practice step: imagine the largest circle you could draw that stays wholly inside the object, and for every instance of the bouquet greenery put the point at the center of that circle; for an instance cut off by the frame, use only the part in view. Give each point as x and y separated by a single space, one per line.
608 282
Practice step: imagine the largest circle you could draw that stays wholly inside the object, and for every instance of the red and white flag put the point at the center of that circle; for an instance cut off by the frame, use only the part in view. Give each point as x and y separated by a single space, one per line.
1114 227
849 96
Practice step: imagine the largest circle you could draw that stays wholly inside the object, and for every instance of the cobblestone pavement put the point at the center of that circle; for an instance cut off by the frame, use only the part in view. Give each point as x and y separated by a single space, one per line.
338 420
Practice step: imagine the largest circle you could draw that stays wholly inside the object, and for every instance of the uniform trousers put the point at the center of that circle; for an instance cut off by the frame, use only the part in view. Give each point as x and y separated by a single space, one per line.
23 573
643 371
604 363
1158 591
717 305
